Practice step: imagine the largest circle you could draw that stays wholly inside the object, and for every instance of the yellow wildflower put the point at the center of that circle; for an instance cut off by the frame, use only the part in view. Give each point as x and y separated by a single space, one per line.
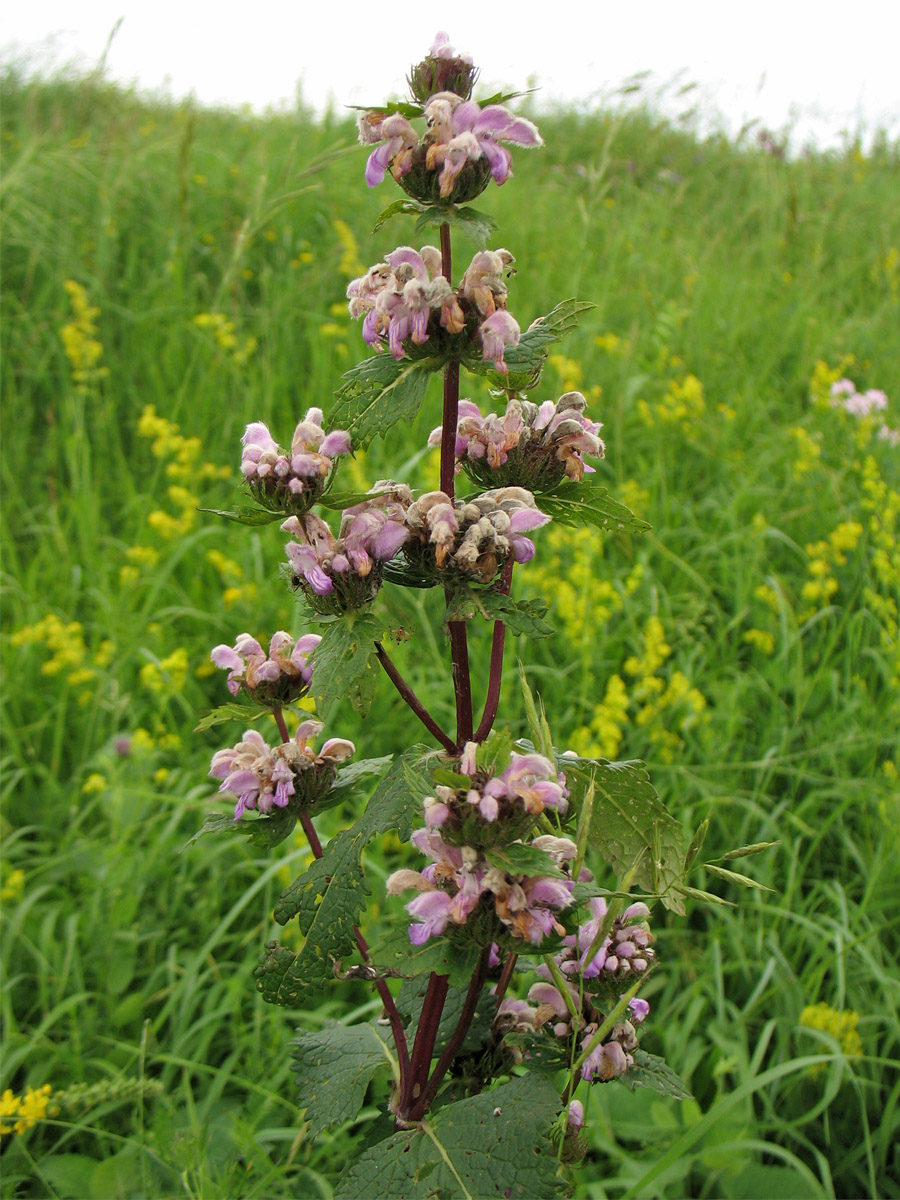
94 783
13 885
79 340
840 1023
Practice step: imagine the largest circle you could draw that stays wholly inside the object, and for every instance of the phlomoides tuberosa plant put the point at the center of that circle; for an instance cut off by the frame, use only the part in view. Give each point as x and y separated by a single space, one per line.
513 985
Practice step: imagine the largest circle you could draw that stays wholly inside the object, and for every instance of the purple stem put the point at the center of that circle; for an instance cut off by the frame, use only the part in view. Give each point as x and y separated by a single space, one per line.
411 699
423 1047
492 699
380 986
459 1036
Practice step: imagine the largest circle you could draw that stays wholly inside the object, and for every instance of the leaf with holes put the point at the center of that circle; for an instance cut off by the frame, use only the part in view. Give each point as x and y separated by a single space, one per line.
378 393
494 1144
333 1068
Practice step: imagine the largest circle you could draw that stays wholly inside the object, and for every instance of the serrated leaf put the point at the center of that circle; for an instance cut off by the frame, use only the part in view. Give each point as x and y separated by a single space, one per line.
519 616
745 851
520 859
651 1071
735 877
584 502
631 827
230 712
344 662
469 221
406 207
406 108
261 831
330 897
492 756
337 501
525 361
494 1144
395 953
334 1067
378 393
246 514
349 775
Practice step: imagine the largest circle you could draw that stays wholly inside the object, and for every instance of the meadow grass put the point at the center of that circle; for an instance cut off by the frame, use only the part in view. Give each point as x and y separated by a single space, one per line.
747 647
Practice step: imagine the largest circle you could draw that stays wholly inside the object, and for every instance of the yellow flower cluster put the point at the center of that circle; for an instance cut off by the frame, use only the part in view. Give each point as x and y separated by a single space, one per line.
569 371
79 339
225 335
183 451
13 885
567 577
824 376
682 404
823 556
840 1023
808 451
612 344
234 589
665 707
67 650
882 504
27 1109
350 265
167 676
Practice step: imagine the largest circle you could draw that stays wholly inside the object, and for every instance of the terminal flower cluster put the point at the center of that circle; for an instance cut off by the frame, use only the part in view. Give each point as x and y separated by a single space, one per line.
472 538
291 480
462 887
340 574
460 151
844 395
405 300
279 677
496 806
264 777
535 445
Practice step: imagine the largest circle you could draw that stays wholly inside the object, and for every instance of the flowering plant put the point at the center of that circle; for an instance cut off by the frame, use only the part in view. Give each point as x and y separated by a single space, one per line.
511 981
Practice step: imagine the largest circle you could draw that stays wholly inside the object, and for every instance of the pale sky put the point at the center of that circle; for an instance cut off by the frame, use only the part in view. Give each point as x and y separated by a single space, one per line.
823 65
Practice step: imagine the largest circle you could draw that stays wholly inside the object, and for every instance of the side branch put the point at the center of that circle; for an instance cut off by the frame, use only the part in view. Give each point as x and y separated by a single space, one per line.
411 699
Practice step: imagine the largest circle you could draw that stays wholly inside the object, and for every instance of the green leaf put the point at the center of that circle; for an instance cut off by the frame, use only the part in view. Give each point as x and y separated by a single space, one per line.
494 1144
520 859
581 503
378 393
395 954
246 514
525 361
452 779
344 662
519 616
330 896
230 712
334 1067
262 831
735 877
406 108
349 775
405 207
650 1071
492 756
631 827
474 224
337 501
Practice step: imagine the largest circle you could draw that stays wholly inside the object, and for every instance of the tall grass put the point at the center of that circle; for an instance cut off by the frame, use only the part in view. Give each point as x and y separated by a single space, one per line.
722 276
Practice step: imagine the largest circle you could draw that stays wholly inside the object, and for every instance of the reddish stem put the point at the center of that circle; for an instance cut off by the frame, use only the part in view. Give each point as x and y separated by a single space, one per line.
423 1047
505 976
380 986
498 640
411 699
459 1036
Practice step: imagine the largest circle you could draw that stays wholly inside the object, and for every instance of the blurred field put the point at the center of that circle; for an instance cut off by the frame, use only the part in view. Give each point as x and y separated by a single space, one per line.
170 274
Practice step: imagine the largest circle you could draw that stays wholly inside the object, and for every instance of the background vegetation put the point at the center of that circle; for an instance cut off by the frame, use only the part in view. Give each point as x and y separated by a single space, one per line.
170 274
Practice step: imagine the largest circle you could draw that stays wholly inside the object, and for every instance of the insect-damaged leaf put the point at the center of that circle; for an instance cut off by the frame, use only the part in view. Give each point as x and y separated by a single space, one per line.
333 1068
379 392
343 662
494 1144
